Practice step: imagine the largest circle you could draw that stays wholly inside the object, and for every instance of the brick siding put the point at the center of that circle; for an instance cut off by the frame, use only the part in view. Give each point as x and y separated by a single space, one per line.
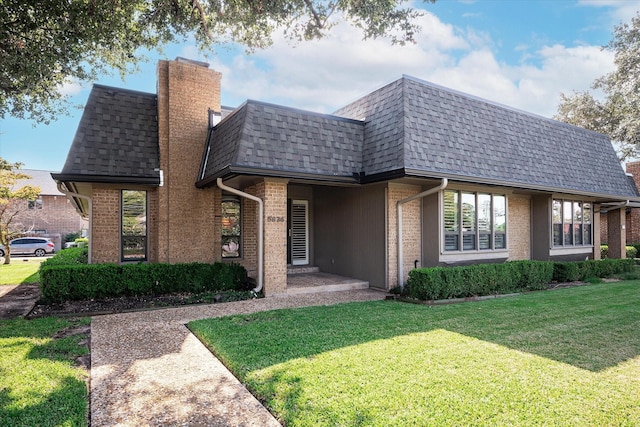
186 214
519 227
411 230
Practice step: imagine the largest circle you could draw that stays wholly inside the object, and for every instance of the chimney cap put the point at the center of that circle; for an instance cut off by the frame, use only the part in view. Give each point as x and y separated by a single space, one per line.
192 61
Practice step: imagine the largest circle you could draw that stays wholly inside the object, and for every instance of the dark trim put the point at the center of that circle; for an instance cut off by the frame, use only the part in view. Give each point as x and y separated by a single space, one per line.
231 171
510 184
146 228
382 176
107 179
122 90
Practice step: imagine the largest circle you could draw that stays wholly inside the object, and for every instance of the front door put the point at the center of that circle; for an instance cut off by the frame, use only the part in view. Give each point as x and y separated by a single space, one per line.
298 232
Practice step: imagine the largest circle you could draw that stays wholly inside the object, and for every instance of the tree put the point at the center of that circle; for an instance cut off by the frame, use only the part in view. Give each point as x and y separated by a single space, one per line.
45 44
13 202
618 113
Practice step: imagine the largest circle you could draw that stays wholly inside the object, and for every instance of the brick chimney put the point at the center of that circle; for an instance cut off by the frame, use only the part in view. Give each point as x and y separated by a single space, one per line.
187 90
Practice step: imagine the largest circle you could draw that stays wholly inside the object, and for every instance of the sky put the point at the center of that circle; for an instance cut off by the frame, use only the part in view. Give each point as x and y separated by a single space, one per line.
520 53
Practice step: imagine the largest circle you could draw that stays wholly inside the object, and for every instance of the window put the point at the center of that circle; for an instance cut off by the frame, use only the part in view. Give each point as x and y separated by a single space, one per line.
474 221
134 225
231 226
571 223
35 204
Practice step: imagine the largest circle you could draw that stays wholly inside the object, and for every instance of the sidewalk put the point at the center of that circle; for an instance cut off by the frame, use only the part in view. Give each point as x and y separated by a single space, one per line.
147 369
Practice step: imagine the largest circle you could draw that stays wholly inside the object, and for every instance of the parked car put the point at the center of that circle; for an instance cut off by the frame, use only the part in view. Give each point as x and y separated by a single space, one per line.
38 246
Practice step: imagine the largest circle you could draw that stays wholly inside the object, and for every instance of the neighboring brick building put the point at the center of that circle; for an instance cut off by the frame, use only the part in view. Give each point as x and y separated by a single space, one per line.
632 215
411 174
52 214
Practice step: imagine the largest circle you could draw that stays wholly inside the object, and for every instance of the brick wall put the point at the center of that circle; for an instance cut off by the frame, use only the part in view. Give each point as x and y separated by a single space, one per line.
519 227
105 232
411 230
633 217
186 214
274 195
57 216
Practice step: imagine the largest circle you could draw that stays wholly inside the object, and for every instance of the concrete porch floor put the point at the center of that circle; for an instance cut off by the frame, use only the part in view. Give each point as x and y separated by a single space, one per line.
315 281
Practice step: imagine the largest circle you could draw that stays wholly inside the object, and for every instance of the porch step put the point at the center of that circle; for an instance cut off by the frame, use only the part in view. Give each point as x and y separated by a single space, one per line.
294 269
307 283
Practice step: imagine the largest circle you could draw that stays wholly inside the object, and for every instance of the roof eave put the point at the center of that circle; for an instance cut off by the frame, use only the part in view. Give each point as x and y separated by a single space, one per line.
232 171
525 186
108 179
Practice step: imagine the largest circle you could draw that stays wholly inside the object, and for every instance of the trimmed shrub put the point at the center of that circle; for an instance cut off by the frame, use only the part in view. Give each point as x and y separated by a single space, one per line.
514 276
76 282
477 280
630 250
70 256
583 270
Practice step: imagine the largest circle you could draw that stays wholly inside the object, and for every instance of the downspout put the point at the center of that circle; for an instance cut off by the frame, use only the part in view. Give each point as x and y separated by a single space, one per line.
90 203
260 225
442 186
614 207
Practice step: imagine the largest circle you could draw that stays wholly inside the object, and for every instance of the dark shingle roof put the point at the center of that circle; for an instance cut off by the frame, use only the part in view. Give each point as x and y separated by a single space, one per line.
116 140
433 131
269 137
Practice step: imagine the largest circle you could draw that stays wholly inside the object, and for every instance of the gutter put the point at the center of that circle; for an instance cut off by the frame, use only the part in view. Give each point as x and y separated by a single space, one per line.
90 203
442 186
615 206
258 288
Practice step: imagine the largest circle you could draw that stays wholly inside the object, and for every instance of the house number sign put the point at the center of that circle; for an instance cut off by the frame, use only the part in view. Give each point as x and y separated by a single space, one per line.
275 219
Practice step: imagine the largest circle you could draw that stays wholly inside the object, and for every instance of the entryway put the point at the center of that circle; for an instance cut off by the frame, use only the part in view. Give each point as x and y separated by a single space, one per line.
305 280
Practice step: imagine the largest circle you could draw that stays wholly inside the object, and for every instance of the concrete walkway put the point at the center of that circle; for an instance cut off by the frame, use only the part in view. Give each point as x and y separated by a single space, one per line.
147 369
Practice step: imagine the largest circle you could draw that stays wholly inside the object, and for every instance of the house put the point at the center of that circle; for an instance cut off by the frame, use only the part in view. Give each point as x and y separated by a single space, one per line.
51 215
412 174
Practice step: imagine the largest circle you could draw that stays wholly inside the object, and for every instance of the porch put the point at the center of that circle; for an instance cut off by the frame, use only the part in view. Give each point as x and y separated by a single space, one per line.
306 280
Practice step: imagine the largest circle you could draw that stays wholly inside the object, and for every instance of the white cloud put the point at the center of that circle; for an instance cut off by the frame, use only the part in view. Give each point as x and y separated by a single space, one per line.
621 10
70 88
325 74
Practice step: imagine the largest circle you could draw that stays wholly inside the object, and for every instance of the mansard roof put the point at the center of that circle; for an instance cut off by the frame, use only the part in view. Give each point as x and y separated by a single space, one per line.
414 128
116 140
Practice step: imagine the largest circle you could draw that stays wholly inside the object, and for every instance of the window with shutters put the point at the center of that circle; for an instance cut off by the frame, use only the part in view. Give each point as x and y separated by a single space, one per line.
474 221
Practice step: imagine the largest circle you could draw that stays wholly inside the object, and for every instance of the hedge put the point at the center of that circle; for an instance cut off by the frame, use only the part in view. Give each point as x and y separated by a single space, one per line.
69 256
515 276
76 282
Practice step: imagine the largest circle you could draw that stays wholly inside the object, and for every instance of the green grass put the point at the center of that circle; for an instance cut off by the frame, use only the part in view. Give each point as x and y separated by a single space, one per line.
20 271
39 383
568 357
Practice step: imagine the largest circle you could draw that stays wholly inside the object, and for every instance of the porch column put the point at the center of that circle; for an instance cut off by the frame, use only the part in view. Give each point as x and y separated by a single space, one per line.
617 234
597 233
412 231
273 192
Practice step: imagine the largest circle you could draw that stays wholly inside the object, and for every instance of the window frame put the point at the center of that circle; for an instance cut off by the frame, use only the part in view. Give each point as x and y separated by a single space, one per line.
476 229
565 221
234 236
35 204
144 238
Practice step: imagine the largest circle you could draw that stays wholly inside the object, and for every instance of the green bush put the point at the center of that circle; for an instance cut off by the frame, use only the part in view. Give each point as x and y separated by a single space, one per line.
61 282
476 280
70 256
515 276
583 270
630 250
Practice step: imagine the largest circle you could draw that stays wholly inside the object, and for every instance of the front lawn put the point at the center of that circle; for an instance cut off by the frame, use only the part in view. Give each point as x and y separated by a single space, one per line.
20 271
39 382
563 357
